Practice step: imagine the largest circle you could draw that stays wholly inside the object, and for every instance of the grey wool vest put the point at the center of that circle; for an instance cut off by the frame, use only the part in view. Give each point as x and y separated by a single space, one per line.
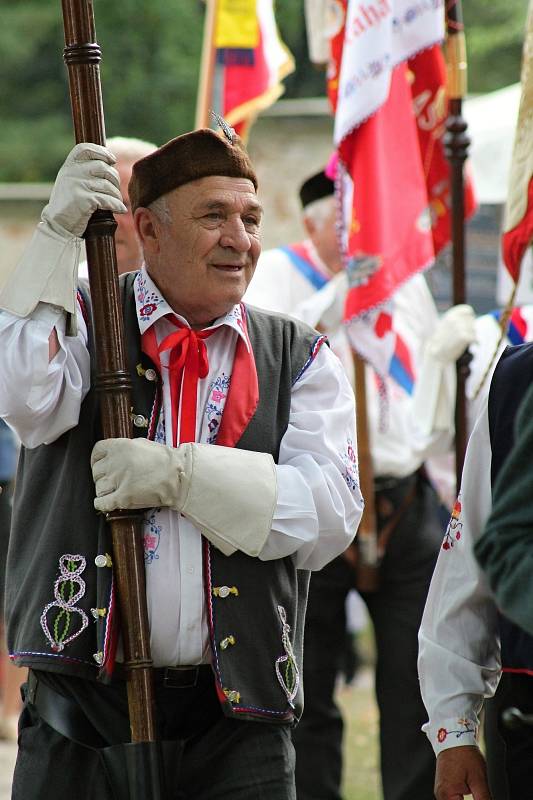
61 603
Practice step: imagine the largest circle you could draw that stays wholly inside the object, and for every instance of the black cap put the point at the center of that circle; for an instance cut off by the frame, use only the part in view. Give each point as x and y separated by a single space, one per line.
315 188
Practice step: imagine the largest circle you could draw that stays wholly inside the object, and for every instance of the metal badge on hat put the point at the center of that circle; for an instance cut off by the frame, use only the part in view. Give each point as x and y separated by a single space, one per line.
229 132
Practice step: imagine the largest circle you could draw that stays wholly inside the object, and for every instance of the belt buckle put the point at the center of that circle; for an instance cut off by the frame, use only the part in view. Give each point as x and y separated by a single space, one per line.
180 677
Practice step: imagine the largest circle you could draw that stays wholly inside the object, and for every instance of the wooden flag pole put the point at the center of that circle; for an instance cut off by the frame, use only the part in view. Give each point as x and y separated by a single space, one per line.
367 563
82 56
456 143
207 66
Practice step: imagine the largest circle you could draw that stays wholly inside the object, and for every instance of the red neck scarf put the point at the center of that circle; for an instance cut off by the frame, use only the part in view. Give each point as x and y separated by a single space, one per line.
188 355
186 365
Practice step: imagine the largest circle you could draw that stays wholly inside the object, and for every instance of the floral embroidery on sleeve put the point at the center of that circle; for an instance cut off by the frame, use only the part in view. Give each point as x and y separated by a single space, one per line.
464 727
455 527
351 469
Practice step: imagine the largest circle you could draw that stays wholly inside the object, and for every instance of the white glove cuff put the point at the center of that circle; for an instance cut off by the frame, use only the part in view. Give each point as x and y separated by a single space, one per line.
433 406
230 495
46 273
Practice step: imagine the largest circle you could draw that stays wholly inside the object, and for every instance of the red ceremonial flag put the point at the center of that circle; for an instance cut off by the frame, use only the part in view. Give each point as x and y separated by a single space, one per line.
387 225
389 238
251 61
386 221
518 224
428 87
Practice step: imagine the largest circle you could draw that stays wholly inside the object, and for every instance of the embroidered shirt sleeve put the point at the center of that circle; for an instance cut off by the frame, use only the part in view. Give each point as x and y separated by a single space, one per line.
454 732
459 658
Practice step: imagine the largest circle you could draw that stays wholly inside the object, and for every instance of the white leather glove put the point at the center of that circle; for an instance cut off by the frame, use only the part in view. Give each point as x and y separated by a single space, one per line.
86 182
434 394
229 494
454 332
48 269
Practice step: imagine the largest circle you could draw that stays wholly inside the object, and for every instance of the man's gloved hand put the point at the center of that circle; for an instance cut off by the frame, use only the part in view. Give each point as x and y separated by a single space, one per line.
229 494
434 394
47 272
454 332
87 181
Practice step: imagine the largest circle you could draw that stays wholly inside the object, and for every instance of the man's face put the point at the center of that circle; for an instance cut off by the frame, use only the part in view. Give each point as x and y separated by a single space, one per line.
129 252
204 258
325 238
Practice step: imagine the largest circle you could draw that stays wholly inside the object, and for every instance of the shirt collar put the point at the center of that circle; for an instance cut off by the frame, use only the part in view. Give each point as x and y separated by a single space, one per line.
152 306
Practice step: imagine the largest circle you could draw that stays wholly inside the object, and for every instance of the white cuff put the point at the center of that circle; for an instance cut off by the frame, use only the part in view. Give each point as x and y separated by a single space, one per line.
434 397
230 496
452 732
46 273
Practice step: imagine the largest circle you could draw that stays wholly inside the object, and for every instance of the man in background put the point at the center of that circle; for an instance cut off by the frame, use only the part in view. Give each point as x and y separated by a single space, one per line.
127 150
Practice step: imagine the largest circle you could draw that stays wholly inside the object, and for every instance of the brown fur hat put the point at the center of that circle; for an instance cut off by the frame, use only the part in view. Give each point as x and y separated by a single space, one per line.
187 158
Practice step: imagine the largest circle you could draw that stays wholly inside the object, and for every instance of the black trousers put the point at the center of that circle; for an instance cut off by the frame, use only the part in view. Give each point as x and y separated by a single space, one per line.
509 751
215 758
407 759
318 736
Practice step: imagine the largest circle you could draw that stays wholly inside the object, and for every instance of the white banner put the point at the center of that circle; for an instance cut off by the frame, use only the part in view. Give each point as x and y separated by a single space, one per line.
379 35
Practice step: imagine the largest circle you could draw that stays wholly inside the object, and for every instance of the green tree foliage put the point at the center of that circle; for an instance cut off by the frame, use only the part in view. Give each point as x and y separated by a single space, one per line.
495 35
151 54
307 80
150 71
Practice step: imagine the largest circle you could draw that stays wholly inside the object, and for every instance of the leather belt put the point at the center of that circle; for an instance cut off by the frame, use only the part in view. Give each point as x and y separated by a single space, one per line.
181 677
173 677
63 714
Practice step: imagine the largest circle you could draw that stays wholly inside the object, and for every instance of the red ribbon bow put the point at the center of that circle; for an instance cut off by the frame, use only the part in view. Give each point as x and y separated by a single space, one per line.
187 364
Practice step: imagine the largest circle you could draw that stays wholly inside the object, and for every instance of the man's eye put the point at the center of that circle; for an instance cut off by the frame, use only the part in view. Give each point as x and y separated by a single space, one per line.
251 221
214 215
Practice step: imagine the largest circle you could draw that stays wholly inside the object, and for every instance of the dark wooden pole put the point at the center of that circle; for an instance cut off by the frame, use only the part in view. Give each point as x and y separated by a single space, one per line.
82 57
367 563
456 143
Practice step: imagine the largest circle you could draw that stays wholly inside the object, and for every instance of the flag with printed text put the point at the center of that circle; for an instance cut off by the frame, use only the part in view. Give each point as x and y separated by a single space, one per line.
386 217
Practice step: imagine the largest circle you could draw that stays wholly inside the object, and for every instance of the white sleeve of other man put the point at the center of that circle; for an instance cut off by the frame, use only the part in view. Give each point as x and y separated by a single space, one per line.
459 650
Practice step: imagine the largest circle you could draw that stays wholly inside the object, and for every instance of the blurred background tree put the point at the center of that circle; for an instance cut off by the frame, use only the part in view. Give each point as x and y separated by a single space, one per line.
151 54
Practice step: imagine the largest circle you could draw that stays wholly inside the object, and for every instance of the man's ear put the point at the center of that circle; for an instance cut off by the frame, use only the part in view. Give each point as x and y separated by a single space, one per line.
309 225
147 228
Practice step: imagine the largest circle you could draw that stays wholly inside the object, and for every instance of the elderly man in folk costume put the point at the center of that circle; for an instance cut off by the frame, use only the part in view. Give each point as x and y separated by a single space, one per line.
244 459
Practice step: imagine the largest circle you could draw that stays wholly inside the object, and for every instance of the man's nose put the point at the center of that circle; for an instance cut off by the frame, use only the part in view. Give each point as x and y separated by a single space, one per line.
234 234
